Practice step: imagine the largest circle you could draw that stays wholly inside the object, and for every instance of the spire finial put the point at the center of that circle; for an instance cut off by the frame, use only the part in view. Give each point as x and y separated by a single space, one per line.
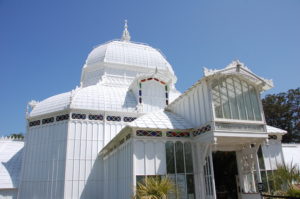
126 35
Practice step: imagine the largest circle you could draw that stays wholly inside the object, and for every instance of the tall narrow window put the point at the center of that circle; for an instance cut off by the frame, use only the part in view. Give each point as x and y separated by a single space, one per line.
255 103
179 157
170 157
217 101
232 99
224 99
240 99
188 157
179 161
246 93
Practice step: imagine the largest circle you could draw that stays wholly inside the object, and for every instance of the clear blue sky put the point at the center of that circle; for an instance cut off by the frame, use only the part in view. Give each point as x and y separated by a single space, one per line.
43 44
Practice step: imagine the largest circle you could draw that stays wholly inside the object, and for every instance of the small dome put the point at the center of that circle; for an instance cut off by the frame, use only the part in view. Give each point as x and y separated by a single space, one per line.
129 54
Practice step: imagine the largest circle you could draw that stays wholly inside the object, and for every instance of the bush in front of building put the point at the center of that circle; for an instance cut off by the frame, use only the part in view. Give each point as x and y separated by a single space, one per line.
155 188
285 179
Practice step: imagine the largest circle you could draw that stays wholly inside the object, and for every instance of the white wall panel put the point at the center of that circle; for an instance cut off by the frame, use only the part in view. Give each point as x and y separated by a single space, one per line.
44 165
87 176
195 106
160 158
273 155
118 173
150 158
139 153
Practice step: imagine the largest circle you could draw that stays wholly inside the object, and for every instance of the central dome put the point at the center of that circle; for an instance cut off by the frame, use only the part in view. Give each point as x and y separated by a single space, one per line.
120 60
129 54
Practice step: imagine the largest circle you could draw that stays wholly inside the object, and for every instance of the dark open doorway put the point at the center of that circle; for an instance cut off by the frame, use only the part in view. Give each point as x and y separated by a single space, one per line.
225 171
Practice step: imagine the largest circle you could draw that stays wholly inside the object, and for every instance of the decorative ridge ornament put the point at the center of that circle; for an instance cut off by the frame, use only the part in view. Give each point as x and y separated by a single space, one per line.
126 35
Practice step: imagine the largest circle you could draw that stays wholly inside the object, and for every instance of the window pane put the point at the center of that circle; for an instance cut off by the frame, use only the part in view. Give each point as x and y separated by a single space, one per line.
261 159
224 100
264 181
271 182
255 103
179 157
240 99
181 186
217 100
170 157
246 93
172 178
188 157
190 186
140 179
232 98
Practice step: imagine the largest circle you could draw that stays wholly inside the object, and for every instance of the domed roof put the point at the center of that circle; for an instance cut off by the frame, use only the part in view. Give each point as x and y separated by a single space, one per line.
126 53
97 98
108 90
130 54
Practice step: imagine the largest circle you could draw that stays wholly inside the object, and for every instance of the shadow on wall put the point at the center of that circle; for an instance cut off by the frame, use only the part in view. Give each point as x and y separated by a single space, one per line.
13 167
9 193
130 101
93 185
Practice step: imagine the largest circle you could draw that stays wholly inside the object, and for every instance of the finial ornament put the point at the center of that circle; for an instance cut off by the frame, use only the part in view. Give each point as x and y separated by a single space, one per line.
126 35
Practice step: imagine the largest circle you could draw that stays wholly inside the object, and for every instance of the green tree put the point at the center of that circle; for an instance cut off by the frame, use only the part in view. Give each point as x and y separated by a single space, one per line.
283 111
154 188
17 135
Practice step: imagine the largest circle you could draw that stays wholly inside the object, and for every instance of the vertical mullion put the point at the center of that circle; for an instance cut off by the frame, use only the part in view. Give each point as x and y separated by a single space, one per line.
245 105
251 103
221 104
236 99
230 110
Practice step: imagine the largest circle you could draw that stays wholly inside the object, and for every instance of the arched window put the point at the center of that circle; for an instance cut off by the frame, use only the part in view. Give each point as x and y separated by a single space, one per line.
235 99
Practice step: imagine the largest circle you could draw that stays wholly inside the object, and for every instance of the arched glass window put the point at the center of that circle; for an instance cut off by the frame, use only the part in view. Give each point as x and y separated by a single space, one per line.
235 99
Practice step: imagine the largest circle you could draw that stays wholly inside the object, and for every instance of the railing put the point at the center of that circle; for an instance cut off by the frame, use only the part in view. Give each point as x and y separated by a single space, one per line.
271 196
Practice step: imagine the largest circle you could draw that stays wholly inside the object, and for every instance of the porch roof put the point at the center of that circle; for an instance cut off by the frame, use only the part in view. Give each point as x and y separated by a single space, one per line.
274 130
161 120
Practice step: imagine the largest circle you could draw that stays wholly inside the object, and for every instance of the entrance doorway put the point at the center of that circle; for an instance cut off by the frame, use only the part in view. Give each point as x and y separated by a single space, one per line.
225 172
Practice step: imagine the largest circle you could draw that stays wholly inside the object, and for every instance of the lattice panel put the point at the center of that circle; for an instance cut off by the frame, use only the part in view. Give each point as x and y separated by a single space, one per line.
149 133
48 120
177 134
202 130
96 117
113 118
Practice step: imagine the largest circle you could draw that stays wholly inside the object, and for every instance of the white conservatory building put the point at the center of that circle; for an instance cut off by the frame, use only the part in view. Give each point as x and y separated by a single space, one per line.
126 121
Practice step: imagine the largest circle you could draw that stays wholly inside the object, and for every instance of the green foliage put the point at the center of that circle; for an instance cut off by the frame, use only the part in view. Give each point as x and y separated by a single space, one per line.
285 177
283 111
17 135
294 192
154 188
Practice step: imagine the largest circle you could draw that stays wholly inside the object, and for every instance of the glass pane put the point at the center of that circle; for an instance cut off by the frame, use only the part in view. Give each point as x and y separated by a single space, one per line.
170 157
181 186
240 99
246 93
232 98
188 157
172 178
255 103
271 182
190 186
217 100
224 100
179 157
261 159
140 179
264 181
